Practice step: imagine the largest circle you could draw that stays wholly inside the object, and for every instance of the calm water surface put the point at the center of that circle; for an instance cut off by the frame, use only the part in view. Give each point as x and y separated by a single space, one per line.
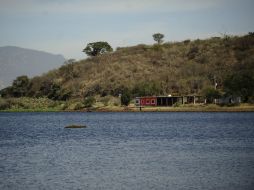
127 151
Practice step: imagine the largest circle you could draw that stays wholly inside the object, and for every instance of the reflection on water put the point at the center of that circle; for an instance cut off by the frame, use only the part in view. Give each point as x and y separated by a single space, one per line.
127 151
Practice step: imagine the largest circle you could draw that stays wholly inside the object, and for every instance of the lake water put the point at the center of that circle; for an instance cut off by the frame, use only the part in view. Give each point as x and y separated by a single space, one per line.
116 151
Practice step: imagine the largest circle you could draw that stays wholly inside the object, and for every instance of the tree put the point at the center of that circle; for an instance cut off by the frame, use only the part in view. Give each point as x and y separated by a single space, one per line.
158 37
147 88
20 86
89 101
210 94
6 92
125 98
97 48
54 92
67 70
240 84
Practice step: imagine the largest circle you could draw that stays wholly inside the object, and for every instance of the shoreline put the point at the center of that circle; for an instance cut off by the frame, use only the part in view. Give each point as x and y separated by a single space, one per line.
180 109
197 108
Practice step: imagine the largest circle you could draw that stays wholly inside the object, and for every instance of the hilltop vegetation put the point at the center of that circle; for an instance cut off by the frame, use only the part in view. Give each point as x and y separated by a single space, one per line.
178 68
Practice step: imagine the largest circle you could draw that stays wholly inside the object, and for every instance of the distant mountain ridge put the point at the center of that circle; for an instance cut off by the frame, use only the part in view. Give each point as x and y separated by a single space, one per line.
16 61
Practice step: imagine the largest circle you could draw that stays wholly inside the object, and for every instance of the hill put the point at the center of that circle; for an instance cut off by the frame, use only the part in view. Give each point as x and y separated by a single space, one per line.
179 68
16 61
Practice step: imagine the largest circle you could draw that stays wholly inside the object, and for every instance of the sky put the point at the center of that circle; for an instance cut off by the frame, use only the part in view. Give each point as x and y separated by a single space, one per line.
67 26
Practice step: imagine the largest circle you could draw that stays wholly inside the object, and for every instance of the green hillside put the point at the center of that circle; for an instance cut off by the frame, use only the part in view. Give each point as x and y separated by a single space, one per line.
179 68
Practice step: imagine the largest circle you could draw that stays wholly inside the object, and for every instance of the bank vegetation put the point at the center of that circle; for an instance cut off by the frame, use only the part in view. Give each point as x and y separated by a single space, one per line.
218 66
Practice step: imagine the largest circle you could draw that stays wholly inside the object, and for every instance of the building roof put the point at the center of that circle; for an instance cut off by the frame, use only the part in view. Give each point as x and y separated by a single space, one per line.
169 96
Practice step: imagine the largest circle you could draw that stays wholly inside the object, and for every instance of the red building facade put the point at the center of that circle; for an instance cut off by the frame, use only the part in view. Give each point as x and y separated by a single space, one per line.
146 101
166 100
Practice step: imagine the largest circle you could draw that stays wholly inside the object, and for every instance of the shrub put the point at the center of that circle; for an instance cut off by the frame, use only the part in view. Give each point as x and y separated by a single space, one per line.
193 52
186 42
68 71
78 106
156 47
116 104
89 101
177 104
251 100
4 104
105 100
244 43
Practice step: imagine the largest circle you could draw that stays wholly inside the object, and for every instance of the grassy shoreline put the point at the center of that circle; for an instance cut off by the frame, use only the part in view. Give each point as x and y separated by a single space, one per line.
189 108
199 108
25 104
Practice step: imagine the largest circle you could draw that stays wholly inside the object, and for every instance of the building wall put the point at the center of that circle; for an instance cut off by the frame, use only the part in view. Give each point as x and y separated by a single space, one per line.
167 100
228 100
148 101
137 101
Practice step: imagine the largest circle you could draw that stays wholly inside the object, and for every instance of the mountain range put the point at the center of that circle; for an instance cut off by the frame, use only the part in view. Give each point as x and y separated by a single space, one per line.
16 61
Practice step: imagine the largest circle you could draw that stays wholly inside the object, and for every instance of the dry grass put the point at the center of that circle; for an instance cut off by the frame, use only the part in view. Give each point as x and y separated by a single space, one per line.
178 68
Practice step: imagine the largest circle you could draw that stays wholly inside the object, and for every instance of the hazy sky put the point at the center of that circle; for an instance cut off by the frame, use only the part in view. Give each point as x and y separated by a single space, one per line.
66 26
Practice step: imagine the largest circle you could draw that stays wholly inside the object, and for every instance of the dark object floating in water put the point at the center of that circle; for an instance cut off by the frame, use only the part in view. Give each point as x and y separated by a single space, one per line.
75 126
